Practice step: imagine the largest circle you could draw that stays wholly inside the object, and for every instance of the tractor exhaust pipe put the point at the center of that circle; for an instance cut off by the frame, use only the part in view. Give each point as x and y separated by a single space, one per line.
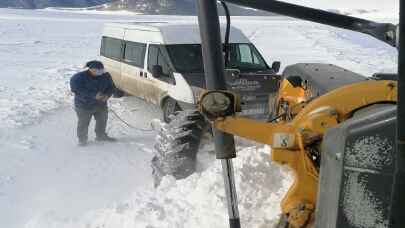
208 20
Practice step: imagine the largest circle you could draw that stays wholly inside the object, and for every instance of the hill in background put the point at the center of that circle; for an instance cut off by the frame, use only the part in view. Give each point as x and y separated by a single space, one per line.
178 7
38 4
182 7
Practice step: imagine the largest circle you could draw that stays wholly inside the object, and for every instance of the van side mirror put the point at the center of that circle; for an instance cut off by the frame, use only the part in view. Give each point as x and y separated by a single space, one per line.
276 66
157 71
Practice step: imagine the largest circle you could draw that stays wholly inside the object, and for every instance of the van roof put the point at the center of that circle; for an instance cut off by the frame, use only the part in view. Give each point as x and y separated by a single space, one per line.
176 32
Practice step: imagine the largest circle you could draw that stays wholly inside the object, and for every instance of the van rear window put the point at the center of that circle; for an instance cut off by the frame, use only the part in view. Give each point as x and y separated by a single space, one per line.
111 48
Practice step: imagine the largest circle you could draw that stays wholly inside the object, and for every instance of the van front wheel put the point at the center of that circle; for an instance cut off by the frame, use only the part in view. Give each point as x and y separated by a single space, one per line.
170 107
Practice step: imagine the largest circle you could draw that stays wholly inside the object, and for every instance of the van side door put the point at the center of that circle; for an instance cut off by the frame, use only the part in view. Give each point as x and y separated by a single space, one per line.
158 84
132 68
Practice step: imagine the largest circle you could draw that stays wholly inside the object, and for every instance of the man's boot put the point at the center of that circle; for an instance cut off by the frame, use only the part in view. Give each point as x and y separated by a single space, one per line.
106 138
82 143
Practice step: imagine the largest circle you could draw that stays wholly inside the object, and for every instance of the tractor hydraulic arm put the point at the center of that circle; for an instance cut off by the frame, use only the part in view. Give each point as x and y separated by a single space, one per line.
253 130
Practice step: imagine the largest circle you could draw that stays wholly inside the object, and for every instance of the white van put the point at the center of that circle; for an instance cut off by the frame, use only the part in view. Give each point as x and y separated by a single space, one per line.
162 63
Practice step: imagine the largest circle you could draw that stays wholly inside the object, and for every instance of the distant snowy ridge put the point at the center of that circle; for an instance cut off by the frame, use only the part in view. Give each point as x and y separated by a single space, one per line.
172 7
92 11
38 4
175 7
78 9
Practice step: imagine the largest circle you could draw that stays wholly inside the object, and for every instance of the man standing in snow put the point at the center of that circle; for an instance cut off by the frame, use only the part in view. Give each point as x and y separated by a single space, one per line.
92 88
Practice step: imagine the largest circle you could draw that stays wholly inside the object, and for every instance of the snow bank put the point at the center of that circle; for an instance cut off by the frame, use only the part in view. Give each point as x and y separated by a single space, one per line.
37 62
24 106
197 201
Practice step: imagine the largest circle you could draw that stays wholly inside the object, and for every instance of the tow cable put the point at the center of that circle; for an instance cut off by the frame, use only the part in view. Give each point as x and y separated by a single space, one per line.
128 124
125 122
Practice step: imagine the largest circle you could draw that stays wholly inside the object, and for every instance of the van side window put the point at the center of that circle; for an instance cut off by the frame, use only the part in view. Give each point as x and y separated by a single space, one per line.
111 48
134 53
156 57
247 54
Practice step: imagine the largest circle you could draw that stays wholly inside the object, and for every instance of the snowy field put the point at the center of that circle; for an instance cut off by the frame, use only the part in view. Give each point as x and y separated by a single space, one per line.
47 181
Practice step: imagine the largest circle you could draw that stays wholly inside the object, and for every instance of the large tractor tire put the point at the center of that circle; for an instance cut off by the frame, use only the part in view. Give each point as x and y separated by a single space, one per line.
177 145
169 108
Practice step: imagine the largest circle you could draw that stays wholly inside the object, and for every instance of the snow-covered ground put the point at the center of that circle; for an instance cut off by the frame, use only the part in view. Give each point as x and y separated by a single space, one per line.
47 181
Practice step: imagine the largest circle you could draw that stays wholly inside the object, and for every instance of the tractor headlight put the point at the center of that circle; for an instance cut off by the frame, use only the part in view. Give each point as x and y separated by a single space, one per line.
216 104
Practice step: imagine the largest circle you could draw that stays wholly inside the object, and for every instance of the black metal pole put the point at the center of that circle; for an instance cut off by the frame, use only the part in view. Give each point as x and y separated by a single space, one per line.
381 31
397 219
215 79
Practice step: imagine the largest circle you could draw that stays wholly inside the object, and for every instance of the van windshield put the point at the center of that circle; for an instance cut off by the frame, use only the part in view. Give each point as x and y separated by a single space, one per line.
187 58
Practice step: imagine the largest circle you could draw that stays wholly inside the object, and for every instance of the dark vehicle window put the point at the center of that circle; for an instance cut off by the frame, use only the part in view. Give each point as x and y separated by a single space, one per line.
187 58
250 55
246 55
157 57
134 53
111 48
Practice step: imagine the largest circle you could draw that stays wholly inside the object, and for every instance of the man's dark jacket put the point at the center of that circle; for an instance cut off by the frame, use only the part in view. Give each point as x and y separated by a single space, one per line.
85 87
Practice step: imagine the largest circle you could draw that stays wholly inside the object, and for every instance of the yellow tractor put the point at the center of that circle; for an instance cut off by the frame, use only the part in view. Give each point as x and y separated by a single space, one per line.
297 134
335 129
